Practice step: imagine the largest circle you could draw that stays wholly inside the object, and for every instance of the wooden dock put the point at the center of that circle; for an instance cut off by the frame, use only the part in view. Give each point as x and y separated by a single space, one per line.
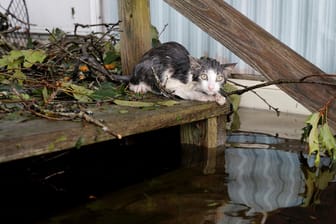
37 136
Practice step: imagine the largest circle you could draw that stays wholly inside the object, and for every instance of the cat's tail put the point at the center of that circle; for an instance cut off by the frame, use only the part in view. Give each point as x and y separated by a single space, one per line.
120 78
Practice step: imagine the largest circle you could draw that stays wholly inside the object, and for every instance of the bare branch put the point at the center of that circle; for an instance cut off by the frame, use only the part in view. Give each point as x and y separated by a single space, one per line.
52 115
164 28
278 82
258 95
161 87
91 63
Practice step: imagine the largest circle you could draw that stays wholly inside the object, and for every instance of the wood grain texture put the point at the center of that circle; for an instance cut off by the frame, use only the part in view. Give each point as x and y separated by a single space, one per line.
39 136
259 49
207 133
135 35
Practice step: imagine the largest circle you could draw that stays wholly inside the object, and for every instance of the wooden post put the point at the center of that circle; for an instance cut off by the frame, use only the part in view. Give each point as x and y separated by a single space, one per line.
259 49
136 33
208 133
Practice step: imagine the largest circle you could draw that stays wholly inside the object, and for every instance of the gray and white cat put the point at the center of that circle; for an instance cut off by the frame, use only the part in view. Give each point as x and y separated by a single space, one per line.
169 67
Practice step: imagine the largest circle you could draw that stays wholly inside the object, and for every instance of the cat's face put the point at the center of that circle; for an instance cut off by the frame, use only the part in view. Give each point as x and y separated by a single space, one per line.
210 81
211 75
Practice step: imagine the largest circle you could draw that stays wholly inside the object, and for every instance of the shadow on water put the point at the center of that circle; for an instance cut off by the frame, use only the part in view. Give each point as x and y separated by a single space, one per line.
40 187
256 178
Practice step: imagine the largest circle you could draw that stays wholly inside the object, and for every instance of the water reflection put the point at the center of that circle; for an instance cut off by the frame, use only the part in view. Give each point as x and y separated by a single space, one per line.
261 181
250 181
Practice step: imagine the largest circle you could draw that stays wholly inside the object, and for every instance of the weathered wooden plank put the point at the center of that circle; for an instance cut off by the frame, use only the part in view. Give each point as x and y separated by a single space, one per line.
211 132
39 136
208 133
259 49
135 38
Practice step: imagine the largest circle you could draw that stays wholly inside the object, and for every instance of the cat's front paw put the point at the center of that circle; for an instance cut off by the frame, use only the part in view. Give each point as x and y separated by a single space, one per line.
220 99
139 88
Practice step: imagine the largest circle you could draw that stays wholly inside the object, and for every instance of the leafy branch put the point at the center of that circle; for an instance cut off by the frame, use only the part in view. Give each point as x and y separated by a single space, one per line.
319 136
317 132
56 78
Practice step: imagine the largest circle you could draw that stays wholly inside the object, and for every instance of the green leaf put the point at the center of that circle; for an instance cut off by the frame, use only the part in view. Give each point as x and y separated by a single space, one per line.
327 139
4 80
107 91
27 57
45 94
80 93
314 119
79 143
133 103
235 99
154 32
313 137
12 60
32 57
235 124
15 64
15 54
324 179
19 76
313 141
155 36
110 56
318 159
167 103
56 34
4 61
82 98
23 96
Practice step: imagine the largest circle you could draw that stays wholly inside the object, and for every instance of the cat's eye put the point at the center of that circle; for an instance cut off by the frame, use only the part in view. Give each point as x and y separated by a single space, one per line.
219 78
204 76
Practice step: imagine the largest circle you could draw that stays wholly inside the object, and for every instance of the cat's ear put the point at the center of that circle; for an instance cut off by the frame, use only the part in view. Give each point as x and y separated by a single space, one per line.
194 63
228 67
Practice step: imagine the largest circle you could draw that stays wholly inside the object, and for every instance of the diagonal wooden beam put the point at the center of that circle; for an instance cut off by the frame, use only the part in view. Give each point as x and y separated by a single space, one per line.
259 49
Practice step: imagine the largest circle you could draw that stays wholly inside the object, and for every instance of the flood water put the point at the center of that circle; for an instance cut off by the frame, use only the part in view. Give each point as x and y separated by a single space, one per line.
255 178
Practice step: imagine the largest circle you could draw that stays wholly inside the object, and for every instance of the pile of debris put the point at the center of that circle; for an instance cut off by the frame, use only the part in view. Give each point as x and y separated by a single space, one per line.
63 73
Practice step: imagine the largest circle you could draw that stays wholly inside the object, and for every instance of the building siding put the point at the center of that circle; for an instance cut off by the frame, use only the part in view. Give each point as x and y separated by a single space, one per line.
306 26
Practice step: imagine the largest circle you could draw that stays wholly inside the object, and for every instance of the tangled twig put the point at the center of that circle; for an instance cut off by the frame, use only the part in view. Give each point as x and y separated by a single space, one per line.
161 87
33 108
87 59
278 82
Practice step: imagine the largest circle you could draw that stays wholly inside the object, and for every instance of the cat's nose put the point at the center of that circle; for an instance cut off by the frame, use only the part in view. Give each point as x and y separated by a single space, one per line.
211 88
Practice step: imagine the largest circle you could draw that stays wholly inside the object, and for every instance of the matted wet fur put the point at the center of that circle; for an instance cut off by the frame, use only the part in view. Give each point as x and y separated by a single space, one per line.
170 68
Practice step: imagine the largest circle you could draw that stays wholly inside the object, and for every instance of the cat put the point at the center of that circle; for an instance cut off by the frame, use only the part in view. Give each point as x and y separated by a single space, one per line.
170 68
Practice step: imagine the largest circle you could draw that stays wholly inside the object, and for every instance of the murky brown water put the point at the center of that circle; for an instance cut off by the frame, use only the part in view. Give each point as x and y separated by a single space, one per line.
150 178
256 179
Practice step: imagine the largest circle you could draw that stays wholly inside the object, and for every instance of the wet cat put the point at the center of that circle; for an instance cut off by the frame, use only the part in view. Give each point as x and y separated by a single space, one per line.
169 67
